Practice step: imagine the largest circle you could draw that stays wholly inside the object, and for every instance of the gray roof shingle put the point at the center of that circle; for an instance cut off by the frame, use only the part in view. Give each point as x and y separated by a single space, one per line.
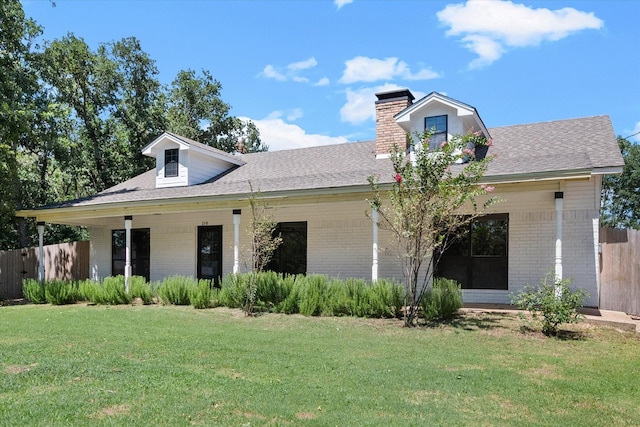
539 148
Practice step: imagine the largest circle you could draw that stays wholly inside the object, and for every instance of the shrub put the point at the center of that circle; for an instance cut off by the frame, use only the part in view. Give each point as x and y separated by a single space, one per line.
113 292
553 301
442 300
386 299
312 295
140 288
233 290
59 292
291 288
33 291
203 295
88 290
176 290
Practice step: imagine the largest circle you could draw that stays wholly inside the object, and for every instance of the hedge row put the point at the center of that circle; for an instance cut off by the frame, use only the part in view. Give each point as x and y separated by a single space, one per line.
312 295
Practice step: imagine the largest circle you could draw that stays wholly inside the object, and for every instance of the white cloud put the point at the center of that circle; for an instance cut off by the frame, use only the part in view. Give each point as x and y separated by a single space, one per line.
291 72
360 105
364 69
303 65
488 27
340 3
322 82
294 114
280 135
270 73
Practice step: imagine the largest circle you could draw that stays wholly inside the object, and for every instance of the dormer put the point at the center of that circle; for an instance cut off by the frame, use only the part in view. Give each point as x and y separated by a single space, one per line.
446 116
182 161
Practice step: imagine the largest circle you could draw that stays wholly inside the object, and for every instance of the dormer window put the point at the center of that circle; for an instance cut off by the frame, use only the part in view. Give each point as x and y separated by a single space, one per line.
438 125
171 162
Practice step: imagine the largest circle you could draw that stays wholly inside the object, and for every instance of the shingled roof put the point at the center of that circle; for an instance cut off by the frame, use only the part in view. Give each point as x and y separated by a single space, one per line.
546 150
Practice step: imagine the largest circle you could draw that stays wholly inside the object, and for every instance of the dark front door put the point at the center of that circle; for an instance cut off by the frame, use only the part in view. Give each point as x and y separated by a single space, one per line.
210 252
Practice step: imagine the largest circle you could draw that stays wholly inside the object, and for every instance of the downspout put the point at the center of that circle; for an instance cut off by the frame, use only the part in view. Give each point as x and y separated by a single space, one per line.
374 266
558 265
127 251
236 240
40 226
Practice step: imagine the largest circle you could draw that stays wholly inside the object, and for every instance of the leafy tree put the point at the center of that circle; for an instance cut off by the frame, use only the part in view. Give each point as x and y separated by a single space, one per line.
621 193
425 205
196 110
263 244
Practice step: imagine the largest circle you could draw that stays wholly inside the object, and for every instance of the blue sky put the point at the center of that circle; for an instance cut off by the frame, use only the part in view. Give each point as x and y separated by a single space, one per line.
306 71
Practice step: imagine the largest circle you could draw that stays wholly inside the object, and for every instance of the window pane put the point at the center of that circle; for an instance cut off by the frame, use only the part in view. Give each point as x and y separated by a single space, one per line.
291 255
489 237
479 260
171 162
140 252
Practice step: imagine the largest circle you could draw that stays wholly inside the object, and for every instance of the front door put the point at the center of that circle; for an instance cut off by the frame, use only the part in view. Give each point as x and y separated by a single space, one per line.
210 252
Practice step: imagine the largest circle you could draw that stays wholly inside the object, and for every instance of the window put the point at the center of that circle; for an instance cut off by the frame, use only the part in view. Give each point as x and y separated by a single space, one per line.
291 255
437 124
210 253
140 249
478 259
171 162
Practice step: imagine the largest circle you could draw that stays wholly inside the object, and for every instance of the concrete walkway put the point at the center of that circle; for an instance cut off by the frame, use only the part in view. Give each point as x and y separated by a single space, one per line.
616 319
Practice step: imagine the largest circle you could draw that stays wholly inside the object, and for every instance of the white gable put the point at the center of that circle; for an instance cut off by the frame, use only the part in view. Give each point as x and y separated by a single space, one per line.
196 162
461 118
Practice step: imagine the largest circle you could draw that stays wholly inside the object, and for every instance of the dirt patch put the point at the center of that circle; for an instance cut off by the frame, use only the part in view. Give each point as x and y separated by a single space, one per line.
420 397
305 416
111 411
18 369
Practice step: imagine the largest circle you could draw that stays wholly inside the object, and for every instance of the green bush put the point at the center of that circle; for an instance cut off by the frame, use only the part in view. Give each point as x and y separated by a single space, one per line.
553 301
176 290
34 291
312 295
113 292
291 288
88 290
59 292
386 299
140 288
203 295
233 292
442 300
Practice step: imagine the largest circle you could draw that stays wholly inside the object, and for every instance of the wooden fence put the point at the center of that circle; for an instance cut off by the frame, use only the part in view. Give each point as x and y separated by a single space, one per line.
620 270
63 261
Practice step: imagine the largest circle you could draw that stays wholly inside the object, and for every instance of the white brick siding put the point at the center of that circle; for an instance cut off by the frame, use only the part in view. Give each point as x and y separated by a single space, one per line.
339 238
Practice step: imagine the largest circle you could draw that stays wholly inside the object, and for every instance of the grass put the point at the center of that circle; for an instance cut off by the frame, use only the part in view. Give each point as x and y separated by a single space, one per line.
167 365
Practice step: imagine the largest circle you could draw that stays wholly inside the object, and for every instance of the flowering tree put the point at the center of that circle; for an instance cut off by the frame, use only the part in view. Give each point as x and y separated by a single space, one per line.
263 244
433 195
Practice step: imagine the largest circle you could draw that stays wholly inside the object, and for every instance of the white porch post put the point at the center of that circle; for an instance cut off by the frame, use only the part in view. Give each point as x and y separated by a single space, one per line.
374 265
40 226
127 252
558 265
236 240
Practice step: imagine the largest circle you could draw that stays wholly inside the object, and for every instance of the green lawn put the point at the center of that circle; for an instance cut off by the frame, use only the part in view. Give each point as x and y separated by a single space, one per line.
165 365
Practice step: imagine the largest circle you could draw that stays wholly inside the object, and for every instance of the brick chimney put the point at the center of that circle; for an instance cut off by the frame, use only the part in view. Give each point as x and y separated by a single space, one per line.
388 132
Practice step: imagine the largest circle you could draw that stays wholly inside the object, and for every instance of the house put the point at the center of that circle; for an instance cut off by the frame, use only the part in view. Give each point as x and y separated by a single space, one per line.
190 215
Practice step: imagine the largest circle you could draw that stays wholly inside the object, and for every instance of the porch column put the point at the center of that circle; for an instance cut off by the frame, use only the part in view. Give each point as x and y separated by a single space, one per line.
374 266
127 251
40 226
236 240
558 266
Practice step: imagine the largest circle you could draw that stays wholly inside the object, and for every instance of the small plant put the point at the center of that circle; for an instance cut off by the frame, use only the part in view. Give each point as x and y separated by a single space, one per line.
176 289
33 291
442 300
552 301
60 292
140 288
203 295
113 292
234 290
